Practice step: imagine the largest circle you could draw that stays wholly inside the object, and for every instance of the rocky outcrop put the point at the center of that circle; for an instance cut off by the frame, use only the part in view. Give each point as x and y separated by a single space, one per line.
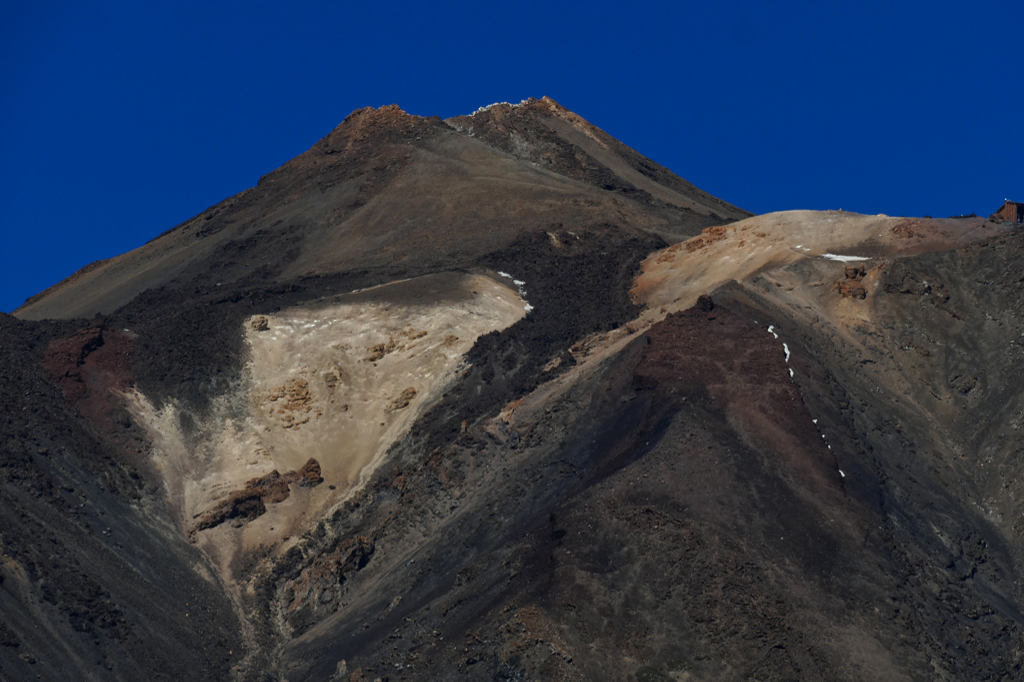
93 369
320 588
402 400
852 286
292 404
251 501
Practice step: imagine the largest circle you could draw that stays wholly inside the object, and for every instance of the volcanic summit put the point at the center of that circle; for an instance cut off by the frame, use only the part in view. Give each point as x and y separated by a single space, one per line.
498 398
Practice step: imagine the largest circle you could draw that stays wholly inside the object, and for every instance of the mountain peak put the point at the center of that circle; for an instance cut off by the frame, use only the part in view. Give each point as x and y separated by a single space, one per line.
530 106
369 118
388 188
386 124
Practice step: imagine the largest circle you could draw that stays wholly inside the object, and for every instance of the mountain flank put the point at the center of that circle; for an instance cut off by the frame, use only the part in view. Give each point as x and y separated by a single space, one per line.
497 398
387 190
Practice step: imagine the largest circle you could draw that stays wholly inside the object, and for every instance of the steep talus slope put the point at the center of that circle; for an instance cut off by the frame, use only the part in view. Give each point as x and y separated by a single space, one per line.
596 158
916 388
96 582
330 386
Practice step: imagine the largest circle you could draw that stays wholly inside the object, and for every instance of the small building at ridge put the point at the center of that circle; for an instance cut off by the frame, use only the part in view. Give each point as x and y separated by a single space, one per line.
1012 211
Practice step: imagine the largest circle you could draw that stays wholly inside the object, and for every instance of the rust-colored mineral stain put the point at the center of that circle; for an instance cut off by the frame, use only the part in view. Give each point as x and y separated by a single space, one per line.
91 368
852 285
708 236
743 369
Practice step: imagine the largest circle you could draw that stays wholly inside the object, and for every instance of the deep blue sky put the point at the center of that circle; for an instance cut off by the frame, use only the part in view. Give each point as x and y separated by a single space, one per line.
119 120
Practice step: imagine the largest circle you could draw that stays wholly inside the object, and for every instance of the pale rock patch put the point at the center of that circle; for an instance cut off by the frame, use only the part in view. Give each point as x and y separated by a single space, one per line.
338 382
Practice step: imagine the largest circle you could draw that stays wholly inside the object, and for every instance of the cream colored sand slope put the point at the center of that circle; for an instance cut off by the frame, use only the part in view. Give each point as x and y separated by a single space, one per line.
339 382
675 277
672 279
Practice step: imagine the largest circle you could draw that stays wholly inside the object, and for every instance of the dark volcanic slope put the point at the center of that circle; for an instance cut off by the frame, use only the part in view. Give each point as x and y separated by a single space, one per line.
689 511
95 581
569 462
390 190
94 555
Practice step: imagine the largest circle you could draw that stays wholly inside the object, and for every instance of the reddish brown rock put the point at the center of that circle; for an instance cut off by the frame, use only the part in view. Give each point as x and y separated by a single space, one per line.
402 400
251 501
852 286
309 475
709 235
92 369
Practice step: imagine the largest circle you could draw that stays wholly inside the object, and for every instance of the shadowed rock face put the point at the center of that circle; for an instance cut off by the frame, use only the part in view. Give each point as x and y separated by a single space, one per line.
543 410
95 581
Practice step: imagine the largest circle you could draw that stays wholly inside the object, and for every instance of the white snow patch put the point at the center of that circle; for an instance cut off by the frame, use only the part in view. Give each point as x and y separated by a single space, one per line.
771 330
790 372
489 106
843 259
786 348
815 421
520 285
496 104
841 473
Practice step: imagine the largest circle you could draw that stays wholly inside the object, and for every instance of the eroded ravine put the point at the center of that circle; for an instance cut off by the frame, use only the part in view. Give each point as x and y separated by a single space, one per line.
337 382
